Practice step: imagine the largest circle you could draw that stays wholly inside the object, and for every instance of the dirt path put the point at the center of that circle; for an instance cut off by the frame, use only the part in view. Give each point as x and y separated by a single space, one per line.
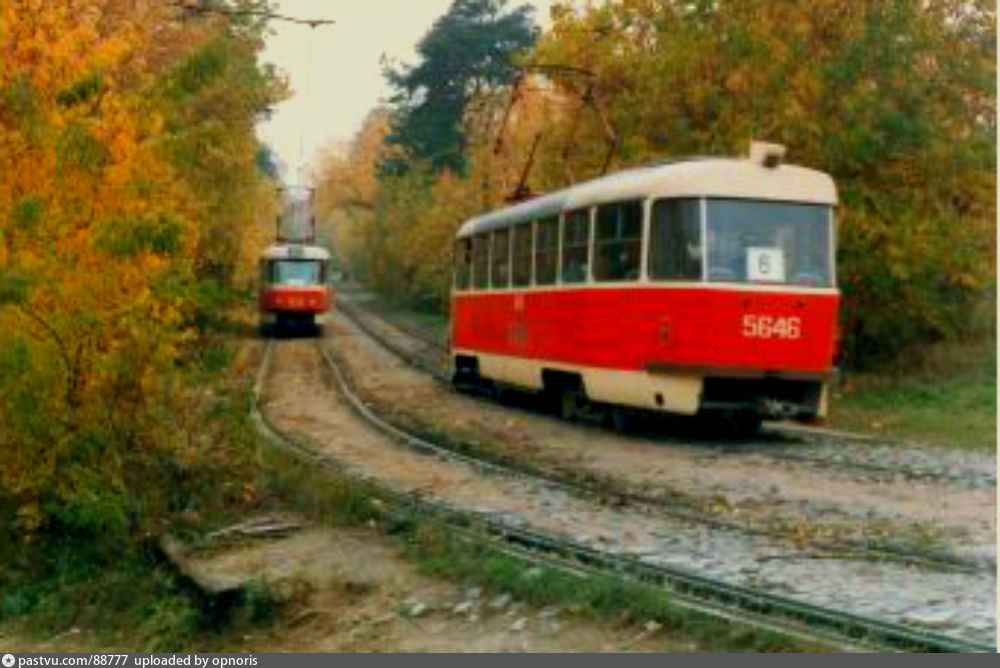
350 591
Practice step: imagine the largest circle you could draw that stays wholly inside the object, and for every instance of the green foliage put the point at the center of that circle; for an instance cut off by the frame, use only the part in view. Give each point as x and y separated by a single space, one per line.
211 301
263 603
468 49
214 99
19 97
311 490
27 213
201 68
128 238
79 149
83 90
72 586
13 289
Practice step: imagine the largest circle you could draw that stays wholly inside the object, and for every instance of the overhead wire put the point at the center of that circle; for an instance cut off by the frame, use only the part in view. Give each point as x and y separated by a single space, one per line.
308 94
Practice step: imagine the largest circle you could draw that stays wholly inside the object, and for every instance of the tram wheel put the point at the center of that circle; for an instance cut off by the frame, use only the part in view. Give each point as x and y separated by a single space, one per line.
570 402
619 418
502 394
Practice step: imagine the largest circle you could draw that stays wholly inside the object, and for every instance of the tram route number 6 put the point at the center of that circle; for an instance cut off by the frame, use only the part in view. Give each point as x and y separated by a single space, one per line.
769 327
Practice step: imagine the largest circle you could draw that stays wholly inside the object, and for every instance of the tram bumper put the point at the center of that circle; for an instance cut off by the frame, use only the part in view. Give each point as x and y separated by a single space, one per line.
773 396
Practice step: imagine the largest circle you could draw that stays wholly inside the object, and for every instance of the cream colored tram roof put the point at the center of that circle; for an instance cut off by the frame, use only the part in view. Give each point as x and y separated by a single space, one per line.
704 177
288 252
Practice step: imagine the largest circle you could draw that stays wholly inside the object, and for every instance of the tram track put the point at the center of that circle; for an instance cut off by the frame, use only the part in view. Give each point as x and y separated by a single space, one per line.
674 506
688 590
434 361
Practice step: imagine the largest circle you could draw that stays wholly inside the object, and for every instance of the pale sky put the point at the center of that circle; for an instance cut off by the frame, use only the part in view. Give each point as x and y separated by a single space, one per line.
330 99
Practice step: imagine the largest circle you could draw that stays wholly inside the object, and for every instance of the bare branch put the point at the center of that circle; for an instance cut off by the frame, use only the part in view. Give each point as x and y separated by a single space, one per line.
201 8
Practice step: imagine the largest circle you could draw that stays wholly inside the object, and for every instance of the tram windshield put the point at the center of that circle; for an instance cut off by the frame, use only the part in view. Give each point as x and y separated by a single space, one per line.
753 241
296 272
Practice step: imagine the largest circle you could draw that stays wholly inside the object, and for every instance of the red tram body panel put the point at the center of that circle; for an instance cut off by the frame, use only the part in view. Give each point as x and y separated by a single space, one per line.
699 286
653 328
295 299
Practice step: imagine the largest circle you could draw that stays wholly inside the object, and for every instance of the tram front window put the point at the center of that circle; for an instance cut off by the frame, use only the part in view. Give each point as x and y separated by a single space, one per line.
295 272
753 241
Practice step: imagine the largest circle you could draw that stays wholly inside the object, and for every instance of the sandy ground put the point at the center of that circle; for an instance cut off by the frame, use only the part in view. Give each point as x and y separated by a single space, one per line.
349 591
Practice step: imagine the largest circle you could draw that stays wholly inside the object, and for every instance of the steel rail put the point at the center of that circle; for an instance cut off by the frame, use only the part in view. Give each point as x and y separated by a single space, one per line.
687 589
882 552
478 529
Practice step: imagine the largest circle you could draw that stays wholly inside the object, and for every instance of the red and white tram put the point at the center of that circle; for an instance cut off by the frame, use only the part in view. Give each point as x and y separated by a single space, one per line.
702 286
293 284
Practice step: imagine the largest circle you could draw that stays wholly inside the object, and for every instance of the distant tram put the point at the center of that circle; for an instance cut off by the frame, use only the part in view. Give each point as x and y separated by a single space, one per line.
702 286
293 287
294 271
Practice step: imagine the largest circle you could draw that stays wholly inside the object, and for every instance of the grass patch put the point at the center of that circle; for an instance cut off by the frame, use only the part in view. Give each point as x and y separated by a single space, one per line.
109 585
318 493
134 602
129 602
947 397
437 551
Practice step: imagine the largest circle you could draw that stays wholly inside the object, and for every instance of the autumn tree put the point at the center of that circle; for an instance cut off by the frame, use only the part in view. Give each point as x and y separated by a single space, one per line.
126 148
896 99
349 178
347 188
212 98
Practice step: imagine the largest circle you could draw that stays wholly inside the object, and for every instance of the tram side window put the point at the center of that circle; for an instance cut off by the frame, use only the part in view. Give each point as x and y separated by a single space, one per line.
521 271
576 244
500 259
618 241
481 260
463 263
675 239
546 251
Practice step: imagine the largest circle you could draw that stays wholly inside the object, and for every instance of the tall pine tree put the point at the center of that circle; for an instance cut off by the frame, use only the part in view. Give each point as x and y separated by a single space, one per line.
468 49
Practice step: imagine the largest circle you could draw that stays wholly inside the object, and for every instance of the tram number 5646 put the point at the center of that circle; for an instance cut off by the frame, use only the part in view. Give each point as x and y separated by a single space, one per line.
769 327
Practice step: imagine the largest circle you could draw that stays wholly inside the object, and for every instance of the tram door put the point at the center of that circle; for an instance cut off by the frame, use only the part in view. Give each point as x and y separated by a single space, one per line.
521 261
517 327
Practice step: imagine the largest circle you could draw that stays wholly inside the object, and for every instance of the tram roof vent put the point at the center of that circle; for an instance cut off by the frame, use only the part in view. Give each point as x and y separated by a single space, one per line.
766 154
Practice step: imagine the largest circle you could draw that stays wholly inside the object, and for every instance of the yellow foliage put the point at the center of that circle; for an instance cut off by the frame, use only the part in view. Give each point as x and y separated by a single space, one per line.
99 229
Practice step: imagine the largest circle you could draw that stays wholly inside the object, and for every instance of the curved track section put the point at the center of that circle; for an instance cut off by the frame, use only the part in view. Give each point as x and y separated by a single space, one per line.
695 591
930 558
